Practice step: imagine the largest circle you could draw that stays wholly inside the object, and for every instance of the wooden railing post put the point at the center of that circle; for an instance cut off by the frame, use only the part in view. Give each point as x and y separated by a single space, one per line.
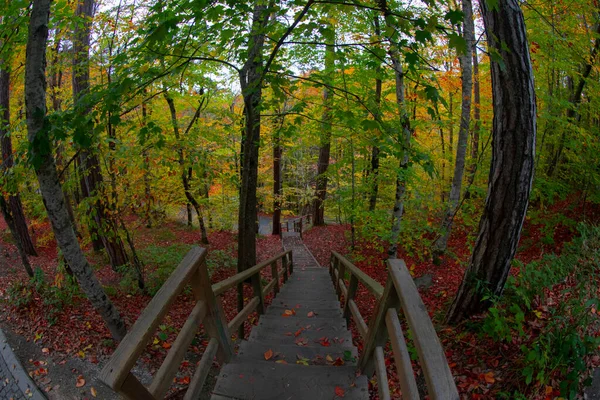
275 275
352 286
258 291
214 322
341 273
377 333
291 263
285 268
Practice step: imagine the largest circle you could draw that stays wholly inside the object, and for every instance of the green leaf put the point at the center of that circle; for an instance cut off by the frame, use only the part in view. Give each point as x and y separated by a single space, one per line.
162 336
423 36
458 42
454 16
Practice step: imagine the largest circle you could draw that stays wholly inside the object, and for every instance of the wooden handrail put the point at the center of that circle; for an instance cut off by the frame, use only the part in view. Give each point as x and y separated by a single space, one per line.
207 310
400 293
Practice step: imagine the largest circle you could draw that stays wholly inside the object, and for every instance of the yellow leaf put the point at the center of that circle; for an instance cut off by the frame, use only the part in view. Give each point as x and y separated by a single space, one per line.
93 390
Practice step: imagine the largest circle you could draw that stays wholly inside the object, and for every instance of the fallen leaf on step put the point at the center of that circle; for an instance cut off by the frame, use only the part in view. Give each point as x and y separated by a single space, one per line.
339 392
268 354
310 314
80 381
93 391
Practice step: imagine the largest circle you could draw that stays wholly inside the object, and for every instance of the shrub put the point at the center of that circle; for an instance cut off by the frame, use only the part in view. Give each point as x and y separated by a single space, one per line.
567 327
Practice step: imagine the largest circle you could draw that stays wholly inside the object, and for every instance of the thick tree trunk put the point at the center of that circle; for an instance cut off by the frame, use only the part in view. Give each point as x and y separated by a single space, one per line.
45 168
11 225
476 122
441 243
14 200
404 134
105 227
325 146
513 155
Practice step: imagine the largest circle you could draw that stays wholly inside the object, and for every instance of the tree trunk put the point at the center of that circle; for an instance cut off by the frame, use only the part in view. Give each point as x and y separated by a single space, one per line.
14 200
45 169
11 225
404 134
513 155
277 189
186 174
105 227
476 123
374 171
441 243
325 146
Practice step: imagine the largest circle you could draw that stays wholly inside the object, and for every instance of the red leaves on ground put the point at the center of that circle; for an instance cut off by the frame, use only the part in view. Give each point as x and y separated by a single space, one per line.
339 392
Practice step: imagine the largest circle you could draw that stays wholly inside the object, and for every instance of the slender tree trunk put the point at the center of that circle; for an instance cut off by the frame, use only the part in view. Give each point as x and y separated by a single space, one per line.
105 227
404 134
325 145
185 172
476 122
14 200
513 156
441 243
45 169
374 171
277 188
573 114
148 197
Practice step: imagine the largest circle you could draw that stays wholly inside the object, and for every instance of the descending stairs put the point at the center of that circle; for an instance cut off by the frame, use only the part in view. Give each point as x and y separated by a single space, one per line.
312 356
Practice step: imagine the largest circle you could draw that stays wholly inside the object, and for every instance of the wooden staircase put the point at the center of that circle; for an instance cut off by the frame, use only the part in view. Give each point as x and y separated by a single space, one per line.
306 340
301 347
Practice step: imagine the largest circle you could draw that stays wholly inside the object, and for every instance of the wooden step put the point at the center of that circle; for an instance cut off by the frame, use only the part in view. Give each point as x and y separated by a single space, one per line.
270 380
313 355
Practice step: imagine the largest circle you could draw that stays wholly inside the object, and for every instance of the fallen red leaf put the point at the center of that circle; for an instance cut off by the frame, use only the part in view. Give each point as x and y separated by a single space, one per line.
268 354
339 392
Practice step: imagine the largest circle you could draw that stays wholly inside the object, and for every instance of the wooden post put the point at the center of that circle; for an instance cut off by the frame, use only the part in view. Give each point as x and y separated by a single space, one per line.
291 263
342 272
378 333
288 225
258 291
275 275
352 286
285 268
214 322
300 228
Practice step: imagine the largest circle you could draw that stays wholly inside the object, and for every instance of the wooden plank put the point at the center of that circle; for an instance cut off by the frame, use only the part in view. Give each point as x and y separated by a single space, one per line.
377 331
358 319
215 323
284 264
342 286
275 275
383 385
123 359
132 389
161 382
243 315
197 382
440 383
291 261
340 279
352 286
406 375
269 287
371 284
226 284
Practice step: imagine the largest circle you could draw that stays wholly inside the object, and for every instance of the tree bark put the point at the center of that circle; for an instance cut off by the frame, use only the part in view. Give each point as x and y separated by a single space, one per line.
6 213
374 171
45 168
513 155
404 134
441 243
14 200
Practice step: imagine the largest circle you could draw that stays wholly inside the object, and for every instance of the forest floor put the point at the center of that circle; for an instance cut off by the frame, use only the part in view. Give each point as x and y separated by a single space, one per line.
65 333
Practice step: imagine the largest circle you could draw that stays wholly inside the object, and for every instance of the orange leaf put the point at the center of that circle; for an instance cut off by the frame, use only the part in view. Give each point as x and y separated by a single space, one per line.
93 391
166 345
489 377
339 392
80 381
268 354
